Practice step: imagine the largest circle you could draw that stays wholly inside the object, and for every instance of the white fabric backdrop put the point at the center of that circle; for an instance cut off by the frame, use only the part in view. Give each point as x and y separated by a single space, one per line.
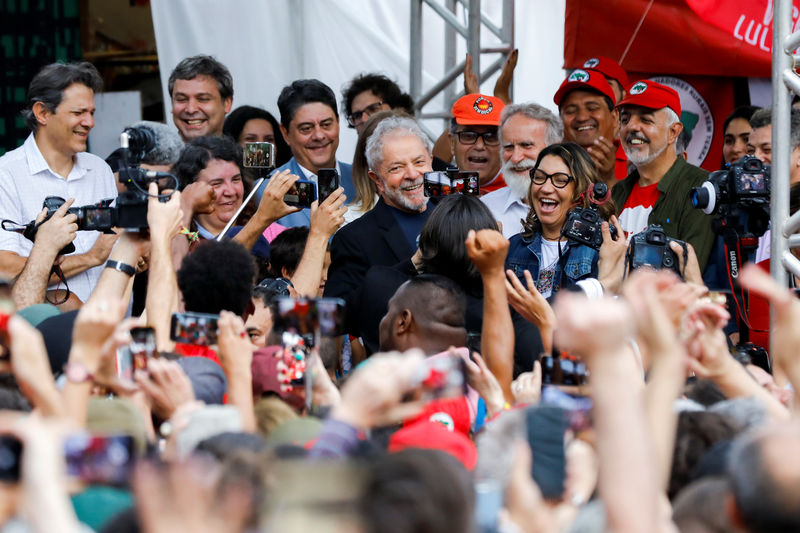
268 43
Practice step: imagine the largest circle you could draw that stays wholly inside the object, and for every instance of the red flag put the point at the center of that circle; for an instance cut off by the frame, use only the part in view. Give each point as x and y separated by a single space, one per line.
749 21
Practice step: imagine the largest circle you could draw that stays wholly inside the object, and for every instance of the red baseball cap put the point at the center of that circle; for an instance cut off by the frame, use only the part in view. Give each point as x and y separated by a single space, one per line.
652 95
608 68
477 110
585 80
434 436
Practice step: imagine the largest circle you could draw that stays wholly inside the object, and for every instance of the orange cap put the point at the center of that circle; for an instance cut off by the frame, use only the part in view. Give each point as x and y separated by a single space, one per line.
477 110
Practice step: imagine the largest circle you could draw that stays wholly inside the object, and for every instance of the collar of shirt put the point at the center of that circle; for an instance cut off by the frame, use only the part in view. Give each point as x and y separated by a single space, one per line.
310 176
203 232
512 199
37 162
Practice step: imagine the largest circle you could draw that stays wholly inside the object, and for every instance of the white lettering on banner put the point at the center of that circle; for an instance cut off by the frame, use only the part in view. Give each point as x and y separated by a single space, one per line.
760 34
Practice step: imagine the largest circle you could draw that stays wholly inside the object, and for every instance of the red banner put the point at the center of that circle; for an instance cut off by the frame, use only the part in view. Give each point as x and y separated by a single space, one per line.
663 36
749 21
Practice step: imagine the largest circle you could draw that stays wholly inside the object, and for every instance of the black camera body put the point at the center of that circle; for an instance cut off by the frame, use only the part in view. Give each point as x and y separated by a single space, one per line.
583 223
651 248
743 187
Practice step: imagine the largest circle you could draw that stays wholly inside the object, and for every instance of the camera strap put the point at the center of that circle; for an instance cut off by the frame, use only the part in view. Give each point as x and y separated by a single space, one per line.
733 264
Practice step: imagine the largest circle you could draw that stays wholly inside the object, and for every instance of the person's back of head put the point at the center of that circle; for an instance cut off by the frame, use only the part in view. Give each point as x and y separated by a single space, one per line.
764 473
441 240
197 154
697 433
426 312
417 491
697 506
217 276
286 249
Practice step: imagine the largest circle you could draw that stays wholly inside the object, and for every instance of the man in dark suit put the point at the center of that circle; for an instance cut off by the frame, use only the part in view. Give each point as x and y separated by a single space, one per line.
310 125
398 153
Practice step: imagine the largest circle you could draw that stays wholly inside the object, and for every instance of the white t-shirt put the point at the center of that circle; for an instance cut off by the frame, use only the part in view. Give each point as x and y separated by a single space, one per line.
547 266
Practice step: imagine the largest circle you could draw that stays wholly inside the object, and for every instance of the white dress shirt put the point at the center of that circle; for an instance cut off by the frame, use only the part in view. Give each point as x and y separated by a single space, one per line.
26 180
508 209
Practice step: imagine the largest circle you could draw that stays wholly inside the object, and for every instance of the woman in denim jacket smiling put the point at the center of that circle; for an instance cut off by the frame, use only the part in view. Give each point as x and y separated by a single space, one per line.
560 180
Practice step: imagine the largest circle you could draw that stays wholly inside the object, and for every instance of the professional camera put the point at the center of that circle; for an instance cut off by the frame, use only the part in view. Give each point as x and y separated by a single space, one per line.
651 248
743 187
583 223
451 181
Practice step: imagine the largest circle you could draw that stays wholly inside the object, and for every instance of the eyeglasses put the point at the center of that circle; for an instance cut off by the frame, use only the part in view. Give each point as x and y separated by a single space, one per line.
558 179
354 119
490 138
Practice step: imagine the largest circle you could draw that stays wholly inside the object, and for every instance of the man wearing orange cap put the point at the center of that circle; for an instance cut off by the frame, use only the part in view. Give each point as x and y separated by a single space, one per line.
475 139
657 191
585 102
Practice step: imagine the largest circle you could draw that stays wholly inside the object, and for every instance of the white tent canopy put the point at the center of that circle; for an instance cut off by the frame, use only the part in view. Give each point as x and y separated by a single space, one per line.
268 43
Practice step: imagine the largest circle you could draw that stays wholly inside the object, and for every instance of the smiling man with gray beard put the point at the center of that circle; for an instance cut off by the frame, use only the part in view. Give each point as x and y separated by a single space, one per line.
657 191
398 154
525 129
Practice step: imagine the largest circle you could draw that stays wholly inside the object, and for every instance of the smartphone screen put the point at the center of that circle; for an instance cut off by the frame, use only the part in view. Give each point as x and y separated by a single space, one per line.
194 328
142 346
327 182
259 155
7 309
442 376
97 218
301 194
10 455
435 183
546 427
99 459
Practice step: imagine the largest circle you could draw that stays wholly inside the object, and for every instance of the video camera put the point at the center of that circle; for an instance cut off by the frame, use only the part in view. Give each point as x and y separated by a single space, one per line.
743 188
583 224
451 181
651 248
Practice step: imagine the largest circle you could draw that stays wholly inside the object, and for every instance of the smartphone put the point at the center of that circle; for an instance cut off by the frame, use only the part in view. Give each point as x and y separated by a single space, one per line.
101 459
306 315
142 346
473 342
442 376
301 194
7 309
327 182
259 155
10 457
435 184
546 428
194 328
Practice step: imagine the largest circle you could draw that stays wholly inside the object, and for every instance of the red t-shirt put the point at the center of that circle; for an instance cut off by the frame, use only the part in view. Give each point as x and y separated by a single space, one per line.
637 208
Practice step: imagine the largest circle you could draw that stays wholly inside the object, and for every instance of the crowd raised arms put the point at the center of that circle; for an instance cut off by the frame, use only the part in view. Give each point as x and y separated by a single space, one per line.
527 324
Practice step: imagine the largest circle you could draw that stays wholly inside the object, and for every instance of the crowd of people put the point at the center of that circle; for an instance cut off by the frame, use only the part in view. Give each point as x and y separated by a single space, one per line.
555 353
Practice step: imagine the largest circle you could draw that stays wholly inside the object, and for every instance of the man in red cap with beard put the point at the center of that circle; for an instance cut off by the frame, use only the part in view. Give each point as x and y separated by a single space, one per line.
657 191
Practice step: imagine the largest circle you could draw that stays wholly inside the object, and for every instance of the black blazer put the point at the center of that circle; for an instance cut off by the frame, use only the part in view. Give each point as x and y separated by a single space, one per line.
373 239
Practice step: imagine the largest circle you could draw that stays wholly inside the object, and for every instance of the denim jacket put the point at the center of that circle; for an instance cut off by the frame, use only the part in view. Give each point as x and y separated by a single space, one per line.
579 261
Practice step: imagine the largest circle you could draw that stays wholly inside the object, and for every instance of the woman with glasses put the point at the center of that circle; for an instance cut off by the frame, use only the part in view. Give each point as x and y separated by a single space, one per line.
560 181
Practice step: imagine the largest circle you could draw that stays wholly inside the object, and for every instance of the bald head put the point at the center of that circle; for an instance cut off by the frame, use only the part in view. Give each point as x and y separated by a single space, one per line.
426 312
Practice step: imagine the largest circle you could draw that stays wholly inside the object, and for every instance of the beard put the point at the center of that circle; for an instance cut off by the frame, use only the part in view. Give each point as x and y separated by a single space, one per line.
639 157
403 201
517 177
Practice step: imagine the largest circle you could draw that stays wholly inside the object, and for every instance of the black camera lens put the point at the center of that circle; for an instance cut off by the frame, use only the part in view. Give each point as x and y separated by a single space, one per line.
699 196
